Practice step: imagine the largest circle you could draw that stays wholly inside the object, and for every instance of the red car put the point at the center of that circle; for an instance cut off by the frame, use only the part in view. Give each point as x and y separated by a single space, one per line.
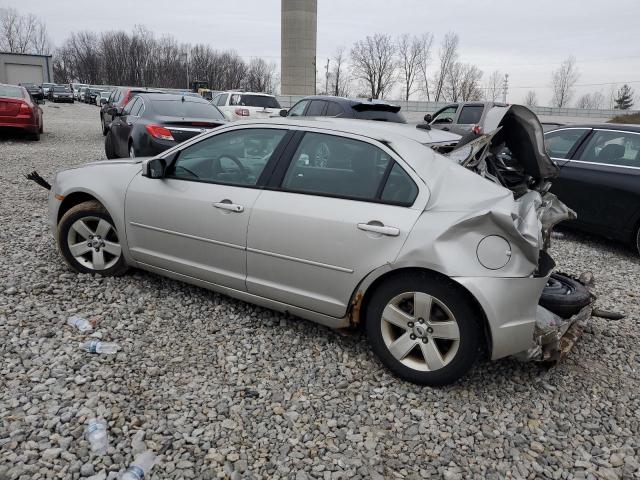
18 110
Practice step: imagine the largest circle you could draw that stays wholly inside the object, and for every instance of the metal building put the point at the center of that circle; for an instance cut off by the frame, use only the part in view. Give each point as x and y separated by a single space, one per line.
23 68
299 26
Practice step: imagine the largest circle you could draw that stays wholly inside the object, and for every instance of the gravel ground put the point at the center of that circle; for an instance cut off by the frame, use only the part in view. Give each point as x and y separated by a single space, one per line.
219 388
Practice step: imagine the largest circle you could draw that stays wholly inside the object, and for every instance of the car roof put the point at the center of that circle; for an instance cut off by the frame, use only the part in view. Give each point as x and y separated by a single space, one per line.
171 96
348 101
385 132
238 92
627 127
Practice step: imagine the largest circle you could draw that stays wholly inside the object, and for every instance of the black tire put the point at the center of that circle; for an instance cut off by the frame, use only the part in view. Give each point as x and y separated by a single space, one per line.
471 338
638 240
109 149
91 209
105 130
564 296
35 136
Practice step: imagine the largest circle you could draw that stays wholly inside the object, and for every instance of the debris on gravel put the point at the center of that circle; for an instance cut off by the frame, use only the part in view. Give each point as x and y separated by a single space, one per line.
218 388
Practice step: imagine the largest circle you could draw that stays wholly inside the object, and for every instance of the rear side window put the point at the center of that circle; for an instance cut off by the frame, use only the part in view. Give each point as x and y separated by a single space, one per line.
333 110
613 148
470 114
130 106
10 91
336 166
137 108
222 100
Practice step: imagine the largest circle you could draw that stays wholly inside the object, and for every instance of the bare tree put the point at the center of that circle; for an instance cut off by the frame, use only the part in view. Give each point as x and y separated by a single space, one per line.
409 50
531 99
562 82
373 62
424 61
593 100
448 56
259 76
470 89
22 33
339 75
493 87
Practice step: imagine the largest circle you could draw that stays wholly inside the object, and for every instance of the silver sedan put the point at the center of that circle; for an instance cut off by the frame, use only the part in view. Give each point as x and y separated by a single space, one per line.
341 222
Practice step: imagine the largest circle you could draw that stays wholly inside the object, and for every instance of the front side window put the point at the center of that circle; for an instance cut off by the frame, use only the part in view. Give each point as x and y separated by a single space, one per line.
336 166
613 148
470 114
559 143
446 116
298 109
237 157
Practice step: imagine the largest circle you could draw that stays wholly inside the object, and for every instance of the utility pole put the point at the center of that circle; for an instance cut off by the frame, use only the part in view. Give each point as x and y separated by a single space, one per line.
326 83
505 87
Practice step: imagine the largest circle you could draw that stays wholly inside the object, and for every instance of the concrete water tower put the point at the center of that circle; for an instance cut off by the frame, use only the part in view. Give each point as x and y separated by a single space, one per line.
299 25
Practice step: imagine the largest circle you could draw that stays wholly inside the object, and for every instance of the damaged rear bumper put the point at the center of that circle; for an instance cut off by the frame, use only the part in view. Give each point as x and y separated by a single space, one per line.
555 336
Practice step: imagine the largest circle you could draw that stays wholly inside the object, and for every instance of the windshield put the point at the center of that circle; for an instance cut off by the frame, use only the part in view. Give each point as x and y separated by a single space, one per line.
178 108
261 101
61 88
10 91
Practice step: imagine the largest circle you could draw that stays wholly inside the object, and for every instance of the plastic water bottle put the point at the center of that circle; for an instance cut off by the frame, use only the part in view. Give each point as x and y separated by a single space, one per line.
80 323
96 346
96 434
140 467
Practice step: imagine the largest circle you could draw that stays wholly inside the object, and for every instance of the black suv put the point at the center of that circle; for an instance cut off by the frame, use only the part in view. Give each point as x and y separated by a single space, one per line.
328 106
34 90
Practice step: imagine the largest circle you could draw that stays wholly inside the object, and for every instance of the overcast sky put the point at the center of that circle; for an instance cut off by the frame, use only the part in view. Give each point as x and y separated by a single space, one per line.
526 39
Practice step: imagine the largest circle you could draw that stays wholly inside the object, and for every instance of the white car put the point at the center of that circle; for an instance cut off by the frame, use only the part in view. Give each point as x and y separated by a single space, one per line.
246 105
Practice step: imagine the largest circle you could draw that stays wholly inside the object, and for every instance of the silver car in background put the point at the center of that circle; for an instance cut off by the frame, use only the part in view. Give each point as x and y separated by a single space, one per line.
342 222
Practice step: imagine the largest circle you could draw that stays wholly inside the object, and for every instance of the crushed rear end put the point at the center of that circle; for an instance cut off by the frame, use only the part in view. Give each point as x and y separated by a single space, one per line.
512 155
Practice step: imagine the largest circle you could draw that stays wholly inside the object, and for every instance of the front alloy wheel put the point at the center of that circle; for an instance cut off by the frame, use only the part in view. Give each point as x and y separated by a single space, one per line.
424 328
89 241
132 151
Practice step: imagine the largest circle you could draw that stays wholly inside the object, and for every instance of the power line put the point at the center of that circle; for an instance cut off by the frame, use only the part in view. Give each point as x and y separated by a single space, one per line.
582 84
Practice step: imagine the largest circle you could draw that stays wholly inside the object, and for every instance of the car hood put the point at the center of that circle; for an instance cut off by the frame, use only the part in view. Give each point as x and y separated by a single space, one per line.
522 134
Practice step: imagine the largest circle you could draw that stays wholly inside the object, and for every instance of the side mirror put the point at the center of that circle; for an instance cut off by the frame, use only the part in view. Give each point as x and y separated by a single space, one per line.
153 168
283 112
103 101
428 118
113 111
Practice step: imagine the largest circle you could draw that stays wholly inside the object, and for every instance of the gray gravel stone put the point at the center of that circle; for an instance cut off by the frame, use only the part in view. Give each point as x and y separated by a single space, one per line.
222 388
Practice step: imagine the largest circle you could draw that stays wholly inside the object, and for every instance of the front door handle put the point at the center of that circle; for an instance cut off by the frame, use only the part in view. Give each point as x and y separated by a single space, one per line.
389 231
227 205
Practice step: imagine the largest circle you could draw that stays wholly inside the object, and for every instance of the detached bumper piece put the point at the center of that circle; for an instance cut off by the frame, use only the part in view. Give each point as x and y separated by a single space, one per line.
554 336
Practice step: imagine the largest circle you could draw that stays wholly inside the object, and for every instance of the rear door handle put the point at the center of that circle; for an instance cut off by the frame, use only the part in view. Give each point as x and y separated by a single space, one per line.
389 231
227 205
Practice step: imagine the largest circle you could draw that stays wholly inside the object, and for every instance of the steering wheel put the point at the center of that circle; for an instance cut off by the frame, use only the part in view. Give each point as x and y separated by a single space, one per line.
243 170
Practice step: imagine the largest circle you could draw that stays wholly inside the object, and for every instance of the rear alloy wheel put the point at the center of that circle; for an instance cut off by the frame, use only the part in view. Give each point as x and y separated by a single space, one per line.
132 150
638 240
89 241
424 329
109 149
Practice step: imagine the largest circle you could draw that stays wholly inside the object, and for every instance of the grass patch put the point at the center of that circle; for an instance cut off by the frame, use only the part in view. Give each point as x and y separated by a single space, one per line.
633 118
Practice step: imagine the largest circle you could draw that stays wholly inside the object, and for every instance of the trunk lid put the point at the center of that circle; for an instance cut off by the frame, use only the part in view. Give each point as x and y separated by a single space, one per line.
9 107
185 128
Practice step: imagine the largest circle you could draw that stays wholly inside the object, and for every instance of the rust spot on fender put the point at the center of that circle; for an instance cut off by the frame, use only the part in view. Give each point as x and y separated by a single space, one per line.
354 311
